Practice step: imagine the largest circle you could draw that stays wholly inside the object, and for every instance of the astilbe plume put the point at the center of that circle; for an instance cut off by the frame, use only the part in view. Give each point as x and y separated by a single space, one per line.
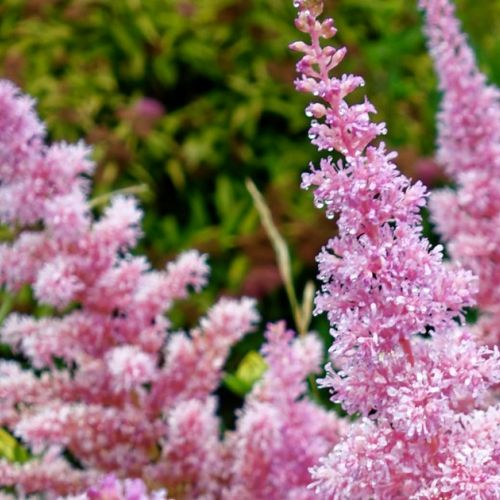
131 402
426 430
468 218
280 434
111 488
113 387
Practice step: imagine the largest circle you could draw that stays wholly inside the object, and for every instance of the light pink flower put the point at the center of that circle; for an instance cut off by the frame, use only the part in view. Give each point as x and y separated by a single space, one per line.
383 288
117 390
468 218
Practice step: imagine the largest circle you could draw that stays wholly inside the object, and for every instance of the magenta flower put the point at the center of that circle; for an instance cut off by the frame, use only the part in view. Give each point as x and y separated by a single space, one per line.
110 488
469 149
280 434
133 402
118 389
115 387
383 286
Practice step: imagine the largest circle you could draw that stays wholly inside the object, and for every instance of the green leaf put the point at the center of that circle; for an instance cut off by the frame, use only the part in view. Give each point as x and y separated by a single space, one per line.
10 448
224 198
249 371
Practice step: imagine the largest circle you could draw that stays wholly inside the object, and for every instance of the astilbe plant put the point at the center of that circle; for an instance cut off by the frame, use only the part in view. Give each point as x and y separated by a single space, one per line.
109 386
280 434
113 404
111 488
399 357
469 149
112 389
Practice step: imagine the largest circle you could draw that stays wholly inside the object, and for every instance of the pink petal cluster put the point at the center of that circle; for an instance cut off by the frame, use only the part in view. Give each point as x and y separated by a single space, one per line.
49 474
376 461
117 405
115 388
111 488
468 218
280 434
399 357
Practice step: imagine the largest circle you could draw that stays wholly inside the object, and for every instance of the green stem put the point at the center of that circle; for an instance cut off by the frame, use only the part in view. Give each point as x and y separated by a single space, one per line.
104 198
302 313
281 251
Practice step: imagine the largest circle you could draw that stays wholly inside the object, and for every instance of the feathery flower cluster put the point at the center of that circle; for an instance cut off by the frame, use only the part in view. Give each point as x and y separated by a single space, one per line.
112 389
384 290
110 488
469 148
280 434
115 404
129 401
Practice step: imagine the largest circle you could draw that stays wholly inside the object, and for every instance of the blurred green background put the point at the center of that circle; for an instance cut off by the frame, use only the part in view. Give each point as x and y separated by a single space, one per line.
189 97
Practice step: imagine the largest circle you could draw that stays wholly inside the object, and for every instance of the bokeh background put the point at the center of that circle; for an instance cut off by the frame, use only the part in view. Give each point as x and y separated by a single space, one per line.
184 99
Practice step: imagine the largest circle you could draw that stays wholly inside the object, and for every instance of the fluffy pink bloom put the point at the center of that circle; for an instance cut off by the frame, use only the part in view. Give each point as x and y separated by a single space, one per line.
469 149
32 173
191 459
57 283
130 367
110 488
386 464
21 262
373 461
117 390
418 397
51 474
280 434
68 217
383 286
193 364
471 455
382 282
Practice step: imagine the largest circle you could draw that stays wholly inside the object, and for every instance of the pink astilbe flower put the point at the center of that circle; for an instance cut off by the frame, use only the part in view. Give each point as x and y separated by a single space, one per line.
383 461
33 175
116 389
201 355
469 149
280 434
418 397
471 456
111 488
51 474
383 286
191 460
130 367
57 284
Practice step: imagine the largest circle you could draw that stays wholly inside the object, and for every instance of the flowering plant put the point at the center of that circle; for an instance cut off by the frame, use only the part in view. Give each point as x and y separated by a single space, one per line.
112 388
399 358
109 387
113 403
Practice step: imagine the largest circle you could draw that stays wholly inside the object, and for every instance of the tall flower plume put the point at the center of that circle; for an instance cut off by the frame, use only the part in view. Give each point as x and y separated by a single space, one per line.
116 404
114 386
280 433
384 290
469 149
